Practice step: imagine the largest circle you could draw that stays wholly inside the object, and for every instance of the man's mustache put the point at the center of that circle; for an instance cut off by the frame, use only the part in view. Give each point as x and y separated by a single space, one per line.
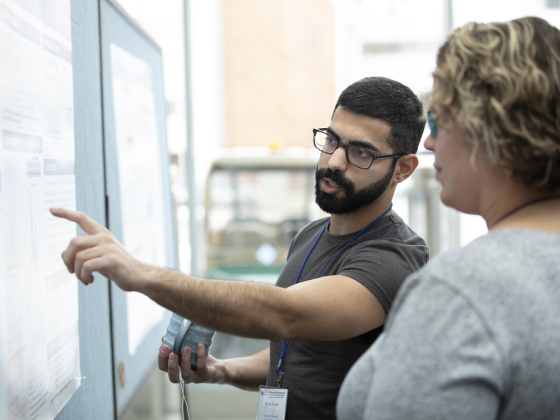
336 177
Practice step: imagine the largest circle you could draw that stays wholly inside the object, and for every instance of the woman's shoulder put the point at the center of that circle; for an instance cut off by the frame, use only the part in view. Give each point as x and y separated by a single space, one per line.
504 265
503 250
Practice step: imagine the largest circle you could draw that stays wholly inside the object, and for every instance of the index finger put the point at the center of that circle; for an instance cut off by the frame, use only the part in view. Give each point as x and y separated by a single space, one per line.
88 225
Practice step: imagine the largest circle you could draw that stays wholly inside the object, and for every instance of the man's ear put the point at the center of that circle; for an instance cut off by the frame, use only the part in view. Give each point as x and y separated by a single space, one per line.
405 167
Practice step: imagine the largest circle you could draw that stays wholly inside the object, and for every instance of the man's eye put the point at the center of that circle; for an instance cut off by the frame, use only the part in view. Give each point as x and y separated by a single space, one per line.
330 140
362 152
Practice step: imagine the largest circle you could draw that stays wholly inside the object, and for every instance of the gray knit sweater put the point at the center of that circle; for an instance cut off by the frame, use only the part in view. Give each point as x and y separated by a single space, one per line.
475 334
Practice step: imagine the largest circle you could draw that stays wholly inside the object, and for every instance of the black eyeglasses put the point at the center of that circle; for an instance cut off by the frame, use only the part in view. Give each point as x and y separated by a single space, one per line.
432 123
355 155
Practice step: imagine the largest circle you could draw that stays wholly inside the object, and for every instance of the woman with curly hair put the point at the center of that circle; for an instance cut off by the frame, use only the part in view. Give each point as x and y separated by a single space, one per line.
475 334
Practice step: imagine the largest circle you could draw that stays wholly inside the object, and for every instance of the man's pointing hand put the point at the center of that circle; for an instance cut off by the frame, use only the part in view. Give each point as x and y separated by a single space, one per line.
99 251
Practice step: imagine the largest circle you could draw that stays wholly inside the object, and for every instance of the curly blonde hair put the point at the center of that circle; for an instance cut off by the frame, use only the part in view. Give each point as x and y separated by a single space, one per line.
500 83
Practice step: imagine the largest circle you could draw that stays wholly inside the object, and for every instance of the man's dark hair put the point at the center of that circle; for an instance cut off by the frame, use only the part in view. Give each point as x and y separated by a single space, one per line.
392 102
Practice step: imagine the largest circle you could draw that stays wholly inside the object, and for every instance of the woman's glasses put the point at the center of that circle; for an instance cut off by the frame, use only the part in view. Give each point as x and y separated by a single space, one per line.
432 123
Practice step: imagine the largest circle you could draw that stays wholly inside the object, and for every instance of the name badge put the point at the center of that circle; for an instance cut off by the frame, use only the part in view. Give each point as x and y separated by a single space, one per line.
272 403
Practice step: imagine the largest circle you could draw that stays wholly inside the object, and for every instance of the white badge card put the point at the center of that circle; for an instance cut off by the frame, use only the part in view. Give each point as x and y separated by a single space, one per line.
272 403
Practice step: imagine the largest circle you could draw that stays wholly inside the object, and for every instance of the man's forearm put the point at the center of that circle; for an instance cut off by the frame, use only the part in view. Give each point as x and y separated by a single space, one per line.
240 308
248 372
330 308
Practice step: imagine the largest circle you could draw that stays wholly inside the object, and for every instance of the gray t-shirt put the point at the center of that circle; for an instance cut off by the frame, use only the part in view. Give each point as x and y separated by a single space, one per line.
473 335
380 259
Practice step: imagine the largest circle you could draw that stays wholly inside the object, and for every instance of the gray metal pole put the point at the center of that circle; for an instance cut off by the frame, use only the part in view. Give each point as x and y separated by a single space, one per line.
191 182
447 17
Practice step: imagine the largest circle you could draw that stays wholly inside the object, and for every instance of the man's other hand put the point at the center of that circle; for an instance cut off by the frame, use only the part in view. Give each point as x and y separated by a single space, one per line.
99 251
208 369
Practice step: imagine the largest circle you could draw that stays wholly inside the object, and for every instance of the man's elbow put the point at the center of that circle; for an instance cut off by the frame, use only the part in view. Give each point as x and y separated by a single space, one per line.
284 329
287 322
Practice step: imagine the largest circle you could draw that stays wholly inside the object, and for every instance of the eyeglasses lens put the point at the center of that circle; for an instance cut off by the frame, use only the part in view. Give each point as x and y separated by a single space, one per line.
432 123
325 143
359 157
356 155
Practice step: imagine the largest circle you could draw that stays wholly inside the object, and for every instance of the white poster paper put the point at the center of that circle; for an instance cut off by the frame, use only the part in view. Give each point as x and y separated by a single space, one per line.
140 181
39 342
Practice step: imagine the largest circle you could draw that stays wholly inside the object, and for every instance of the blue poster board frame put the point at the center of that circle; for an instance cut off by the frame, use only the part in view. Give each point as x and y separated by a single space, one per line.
118 28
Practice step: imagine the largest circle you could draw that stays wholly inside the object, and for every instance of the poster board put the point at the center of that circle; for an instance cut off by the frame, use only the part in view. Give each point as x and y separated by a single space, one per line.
138 186
39 327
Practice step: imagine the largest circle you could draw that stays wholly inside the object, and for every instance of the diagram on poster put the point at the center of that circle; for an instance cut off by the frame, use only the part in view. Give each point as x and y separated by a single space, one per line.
39 342
140 180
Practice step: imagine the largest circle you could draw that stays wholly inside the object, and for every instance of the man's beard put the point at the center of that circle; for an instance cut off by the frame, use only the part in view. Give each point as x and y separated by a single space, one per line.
353 199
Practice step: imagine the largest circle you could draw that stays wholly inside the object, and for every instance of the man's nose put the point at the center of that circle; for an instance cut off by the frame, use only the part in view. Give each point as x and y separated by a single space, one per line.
337 161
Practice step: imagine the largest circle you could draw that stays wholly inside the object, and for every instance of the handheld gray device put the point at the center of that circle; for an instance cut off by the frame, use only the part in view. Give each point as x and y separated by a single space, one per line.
182 332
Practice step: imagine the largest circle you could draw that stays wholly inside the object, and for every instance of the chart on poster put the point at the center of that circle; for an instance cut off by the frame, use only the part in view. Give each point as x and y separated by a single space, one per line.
39 337
140 181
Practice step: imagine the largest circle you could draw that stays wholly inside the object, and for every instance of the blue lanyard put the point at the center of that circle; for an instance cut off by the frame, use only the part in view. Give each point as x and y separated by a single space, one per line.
287 343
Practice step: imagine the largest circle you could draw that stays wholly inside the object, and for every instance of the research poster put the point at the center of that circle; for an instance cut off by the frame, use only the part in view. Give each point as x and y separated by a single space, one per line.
39 343
140 180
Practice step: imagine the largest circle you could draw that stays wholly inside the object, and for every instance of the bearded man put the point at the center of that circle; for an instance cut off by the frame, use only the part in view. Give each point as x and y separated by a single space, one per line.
342 273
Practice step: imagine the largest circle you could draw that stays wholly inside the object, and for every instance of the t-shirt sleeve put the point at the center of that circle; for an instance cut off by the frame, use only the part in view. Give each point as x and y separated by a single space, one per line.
382 267
436 359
